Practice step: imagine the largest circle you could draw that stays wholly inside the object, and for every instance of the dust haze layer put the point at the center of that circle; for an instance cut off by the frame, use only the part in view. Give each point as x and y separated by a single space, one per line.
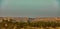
29 8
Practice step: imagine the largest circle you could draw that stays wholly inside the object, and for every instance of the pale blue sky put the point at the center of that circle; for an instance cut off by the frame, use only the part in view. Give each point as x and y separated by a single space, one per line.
29 8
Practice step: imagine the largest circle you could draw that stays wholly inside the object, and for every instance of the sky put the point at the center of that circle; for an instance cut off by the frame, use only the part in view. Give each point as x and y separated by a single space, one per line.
29 8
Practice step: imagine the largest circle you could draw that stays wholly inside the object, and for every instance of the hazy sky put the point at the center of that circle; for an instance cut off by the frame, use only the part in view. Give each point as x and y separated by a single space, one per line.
29 8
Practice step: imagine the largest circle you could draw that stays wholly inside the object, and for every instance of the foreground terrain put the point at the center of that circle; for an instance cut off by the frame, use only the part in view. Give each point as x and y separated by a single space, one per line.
44 24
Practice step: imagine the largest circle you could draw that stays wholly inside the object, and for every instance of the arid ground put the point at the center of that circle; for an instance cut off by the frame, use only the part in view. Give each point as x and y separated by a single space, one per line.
29 23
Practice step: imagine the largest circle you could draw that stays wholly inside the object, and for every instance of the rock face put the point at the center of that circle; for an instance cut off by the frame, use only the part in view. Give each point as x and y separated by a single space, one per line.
25 19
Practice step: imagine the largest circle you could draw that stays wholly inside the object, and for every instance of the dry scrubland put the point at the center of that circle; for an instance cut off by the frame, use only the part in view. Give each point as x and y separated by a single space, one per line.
25 23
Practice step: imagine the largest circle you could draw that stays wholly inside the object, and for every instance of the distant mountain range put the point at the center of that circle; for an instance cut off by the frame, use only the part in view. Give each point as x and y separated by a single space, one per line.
26 19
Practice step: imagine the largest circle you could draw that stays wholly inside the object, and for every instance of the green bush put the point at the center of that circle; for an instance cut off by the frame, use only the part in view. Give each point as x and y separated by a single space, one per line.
31 24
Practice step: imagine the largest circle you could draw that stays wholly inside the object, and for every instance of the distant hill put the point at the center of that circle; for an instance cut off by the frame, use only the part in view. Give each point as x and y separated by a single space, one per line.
26 19
46 19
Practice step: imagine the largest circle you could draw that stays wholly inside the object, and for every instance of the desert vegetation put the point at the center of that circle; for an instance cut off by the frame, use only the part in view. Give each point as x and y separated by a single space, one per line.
5 24
9 24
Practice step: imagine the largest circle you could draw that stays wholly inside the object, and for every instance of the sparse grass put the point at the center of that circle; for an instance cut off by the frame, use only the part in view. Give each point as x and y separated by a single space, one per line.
36 28
29 25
